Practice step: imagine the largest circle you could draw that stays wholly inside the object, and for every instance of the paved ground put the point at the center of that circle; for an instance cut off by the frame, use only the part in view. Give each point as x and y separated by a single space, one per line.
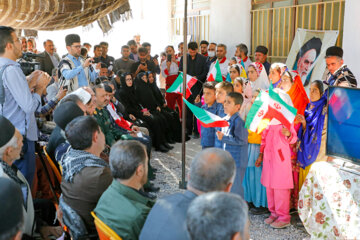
169 175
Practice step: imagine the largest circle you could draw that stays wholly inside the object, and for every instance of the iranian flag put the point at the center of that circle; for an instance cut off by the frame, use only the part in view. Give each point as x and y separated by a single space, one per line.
206 118
215 73
177 86
266 107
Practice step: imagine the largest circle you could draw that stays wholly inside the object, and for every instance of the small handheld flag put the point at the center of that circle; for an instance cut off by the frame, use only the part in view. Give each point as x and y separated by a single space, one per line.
206 118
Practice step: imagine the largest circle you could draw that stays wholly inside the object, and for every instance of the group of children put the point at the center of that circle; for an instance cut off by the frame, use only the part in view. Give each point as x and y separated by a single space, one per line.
262 161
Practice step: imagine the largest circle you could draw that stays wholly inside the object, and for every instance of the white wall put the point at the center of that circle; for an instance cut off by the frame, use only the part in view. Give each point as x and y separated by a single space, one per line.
230 23
351 36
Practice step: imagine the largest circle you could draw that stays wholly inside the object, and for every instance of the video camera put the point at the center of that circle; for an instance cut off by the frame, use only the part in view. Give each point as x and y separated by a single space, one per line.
27 62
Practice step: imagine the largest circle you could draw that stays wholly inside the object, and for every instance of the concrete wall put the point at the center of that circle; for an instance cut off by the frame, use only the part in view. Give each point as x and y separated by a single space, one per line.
351 36
230 23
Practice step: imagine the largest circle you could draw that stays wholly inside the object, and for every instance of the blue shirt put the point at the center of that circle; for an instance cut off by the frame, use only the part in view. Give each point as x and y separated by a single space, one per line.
235 140
220 113
208 134
79 71
20 104
167 219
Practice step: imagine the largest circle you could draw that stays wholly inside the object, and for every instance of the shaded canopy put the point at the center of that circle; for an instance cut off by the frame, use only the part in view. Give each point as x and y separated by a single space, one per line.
62 14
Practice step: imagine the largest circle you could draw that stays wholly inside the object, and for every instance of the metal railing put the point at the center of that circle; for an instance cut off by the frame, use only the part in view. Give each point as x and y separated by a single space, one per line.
276 27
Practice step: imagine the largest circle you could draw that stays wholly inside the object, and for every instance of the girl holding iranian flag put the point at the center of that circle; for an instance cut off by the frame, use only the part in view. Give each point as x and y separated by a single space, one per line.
277 170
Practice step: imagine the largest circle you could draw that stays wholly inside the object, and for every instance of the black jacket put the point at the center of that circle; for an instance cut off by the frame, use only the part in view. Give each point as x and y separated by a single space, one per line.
46 64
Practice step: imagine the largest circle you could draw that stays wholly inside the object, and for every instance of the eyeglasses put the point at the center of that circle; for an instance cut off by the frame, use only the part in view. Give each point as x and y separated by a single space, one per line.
76 46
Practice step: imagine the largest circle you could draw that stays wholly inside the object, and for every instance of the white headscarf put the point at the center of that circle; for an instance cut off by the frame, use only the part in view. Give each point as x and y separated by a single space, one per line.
262 82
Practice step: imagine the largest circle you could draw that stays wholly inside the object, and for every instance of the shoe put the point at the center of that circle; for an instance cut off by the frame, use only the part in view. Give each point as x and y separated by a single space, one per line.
259 210
195 136
151 188
270 219
168 146
171 141
152 196
280 224
162 148
250 205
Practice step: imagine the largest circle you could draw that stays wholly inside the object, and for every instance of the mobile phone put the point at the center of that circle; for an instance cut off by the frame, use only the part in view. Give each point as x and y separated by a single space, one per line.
143 64
65 87
156 56
168 58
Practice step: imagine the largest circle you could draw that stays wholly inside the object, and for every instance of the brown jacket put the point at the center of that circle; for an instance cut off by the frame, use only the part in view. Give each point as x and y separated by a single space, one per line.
84 192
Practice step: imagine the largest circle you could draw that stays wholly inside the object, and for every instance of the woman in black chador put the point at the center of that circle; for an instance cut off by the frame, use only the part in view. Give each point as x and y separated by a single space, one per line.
133 106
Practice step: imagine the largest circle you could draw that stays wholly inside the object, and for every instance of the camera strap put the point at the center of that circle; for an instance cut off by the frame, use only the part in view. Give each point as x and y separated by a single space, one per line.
2 90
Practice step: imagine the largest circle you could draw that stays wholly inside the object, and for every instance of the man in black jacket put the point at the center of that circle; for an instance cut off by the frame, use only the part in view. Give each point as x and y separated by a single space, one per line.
50 59
196 67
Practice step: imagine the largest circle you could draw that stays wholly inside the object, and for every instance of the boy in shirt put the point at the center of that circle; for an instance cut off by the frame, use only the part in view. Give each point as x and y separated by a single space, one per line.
234 139
222 89
208 134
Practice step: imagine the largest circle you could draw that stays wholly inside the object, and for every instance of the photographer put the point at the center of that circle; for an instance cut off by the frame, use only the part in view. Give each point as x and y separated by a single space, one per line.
150 58
20 97
75 71
143 65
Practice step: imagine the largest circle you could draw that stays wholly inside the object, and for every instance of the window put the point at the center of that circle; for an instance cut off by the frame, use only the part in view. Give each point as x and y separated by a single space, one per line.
198 20
274 22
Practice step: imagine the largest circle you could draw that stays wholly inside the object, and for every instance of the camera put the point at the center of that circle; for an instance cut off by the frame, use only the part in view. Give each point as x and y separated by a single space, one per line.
28 64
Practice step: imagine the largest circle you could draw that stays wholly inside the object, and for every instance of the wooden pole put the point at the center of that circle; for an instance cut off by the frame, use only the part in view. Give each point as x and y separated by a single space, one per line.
182 183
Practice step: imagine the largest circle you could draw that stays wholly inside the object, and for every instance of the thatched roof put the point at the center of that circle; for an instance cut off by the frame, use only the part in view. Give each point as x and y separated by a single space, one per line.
62 14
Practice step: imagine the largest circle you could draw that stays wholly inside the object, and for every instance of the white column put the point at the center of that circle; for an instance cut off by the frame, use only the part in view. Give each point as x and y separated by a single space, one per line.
230 23
351 36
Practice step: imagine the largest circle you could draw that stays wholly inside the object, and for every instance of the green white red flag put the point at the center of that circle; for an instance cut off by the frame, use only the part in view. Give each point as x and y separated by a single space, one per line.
177 86
215 73
266 107
206 118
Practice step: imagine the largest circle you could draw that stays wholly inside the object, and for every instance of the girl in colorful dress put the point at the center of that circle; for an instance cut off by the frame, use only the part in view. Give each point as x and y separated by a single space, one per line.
254 191
291 83
257 80
312 132
276 174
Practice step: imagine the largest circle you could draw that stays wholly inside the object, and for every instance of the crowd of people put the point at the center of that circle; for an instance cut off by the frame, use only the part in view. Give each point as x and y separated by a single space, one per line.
98 119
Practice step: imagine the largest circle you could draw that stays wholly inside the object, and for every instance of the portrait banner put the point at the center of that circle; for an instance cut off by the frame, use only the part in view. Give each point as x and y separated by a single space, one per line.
307 54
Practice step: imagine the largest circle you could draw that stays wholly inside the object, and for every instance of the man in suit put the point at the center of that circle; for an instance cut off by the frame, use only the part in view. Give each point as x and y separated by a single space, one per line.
50 59
196 67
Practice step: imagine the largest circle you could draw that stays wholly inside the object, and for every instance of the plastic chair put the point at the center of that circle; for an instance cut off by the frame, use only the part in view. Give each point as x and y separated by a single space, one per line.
52 165
104 231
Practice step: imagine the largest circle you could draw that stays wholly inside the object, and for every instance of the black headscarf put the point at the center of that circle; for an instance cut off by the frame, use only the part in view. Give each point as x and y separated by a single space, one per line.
128 97
145 97
156 91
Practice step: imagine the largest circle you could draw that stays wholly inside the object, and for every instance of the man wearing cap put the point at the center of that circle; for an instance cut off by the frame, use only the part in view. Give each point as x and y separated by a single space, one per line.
63 114
11 200
261 57
11 142
339 74
20 97
75 71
